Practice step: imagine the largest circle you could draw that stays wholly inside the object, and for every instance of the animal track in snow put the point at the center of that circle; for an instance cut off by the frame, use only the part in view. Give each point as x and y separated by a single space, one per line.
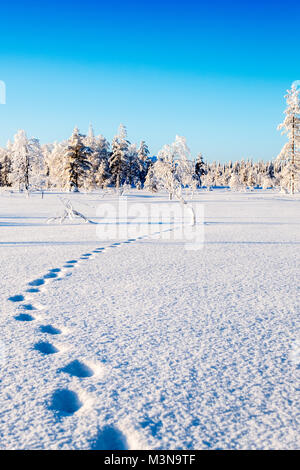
50 330
78 369
24 317
65 402
50 275
16 298
37 282
109 438
45 347
27 307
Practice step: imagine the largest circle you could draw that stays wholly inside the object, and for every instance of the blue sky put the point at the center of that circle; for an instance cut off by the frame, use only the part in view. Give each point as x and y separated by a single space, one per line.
215 72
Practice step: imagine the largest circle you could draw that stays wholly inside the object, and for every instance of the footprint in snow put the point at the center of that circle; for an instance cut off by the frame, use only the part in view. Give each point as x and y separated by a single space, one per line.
78 369
24 317
50 275
109 438
65 402
45 348
49 329
37 282
27 307
16 298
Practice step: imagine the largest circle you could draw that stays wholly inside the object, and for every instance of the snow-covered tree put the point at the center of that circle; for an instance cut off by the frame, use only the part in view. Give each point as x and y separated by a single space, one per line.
38 170
173 170
98 159
184 164
20 159
235 182
199 169
144 162
118 161
55 161
290 154
76 161
102 175
5 167
134 167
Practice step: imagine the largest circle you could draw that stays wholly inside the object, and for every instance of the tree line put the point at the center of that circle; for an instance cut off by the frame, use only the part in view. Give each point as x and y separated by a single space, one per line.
89 162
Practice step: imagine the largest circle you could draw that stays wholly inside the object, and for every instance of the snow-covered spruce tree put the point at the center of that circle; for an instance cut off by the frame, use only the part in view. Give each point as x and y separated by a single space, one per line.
20 160
133 169
118 161
55 161
208 179
199 169
27 162
76 161
251 181
98 174
5 168
267 179
290 154
218 175
151 183
38 170
102 175
235 183
144 162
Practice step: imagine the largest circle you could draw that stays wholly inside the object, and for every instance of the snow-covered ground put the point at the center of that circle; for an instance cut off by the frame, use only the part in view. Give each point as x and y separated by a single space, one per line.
145 344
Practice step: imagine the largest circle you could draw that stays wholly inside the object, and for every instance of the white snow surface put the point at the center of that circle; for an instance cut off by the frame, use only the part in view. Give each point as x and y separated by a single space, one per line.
144 344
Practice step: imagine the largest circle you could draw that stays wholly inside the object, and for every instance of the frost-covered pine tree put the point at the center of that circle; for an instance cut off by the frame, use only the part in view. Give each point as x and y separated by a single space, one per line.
267 179
235 182
151 183
76 161
290 154
55 162
5 167
102 175
184 164
118 161
164 170
133 170
199 169
20 159
144 162
38 170
173 169
99 170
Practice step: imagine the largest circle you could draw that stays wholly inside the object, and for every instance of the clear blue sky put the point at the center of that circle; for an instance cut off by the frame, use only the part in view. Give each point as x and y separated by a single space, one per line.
213 71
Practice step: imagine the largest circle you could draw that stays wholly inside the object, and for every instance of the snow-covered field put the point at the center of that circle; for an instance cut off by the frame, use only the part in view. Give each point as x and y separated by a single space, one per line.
144 344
